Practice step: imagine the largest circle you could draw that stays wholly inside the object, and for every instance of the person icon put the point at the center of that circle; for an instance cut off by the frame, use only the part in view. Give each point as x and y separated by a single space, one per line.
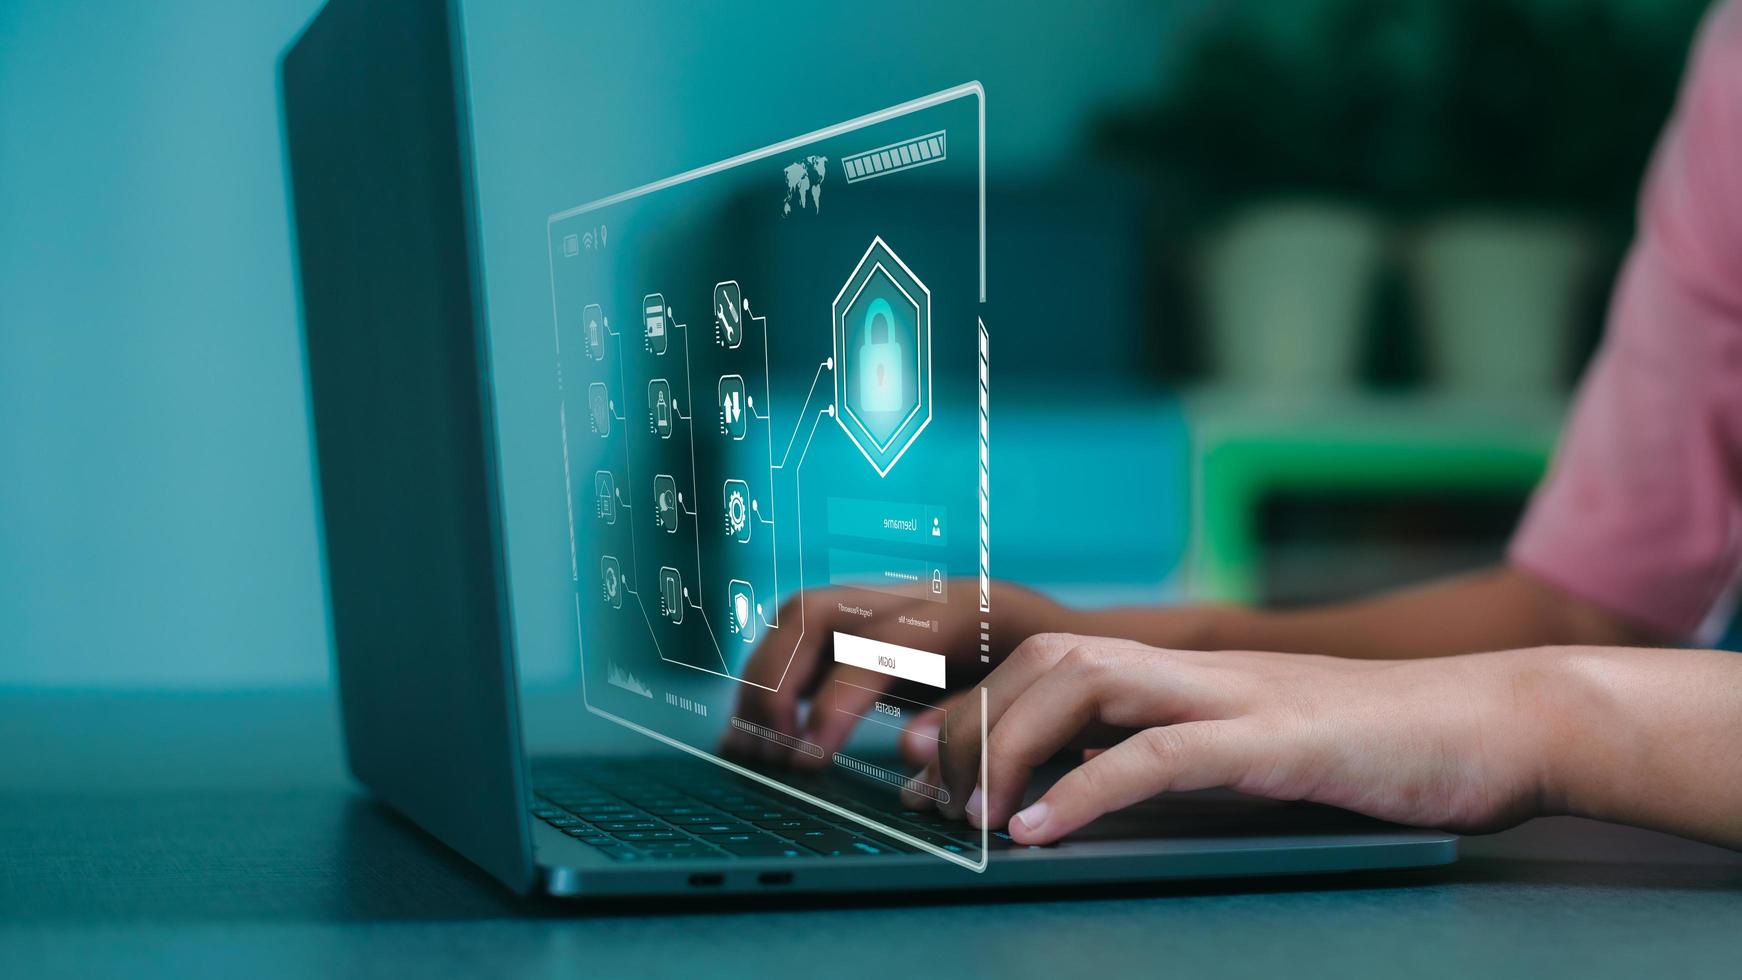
937 530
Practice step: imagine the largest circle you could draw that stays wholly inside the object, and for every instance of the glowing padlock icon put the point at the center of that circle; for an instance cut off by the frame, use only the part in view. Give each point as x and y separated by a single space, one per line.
880 379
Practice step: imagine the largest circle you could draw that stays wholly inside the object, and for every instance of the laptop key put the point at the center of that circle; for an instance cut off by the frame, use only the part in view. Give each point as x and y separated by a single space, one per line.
571 800
794 825
575 795
761 848
684 810
759 814
666 855
679 848
939 840
719 827
602 818
641 835
824 840
929 818
851 847
730 800
703 819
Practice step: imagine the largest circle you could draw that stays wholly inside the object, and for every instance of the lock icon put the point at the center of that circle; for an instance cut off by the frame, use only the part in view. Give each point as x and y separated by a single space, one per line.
937 581
880 376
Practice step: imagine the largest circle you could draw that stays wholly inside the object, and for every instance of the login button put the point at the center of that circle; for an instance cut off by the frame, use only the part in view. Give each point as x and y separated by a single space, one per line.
889 658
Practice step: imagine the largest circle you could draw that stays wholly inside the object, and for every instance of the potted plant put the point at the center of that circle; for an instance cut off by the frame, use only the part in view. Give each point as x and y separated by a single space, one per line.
1280 148
1543 117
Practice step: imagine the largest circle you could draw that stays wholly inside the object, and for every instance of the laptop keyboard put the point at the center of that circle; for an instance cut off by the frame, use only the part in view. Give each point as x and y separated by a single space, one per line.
649 810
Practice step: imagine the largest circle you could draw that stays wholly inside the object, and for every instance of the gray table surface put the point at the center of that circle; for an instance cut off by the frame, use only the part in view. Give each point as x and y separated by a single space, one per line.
190 835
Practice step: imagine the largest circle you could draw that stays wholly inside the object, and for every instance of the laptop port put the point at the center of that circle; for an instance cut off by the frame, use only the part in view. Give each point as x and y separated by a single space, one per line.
705 879
774 878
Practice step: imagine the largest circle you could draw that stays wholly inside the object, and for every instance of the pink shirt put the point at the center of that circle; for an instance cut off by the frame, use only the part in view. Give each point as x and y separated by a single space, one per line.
1641 512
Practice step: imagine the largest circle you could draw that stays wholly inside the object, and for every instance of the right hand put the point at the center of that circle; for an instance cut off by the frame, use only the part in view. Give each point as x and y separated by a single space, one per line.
793 668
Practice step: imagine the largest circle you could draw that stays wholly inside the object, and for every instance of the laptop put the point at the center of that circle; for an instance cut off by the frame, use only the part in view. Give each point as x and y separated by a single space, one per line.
829 293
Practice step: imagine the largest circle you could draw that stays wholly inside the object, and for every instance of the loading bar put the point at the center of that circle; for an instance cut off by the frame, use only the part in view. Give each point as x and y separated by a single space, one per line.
895 157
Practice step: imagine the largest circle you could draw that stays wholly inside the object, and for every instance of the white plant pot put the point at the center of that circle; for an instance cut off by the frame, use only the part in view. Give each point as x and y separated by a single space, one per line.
1288 287
1495 294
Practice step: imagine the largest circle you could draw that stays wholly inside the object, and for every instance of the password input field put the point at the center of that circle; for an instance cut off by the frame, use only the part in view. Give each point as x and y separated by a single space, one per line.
910 578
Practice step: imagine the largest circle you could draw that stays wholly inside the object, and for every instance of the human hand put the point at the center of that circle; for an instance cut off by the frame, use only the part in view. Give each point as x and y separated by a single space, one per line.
1456 743
789 673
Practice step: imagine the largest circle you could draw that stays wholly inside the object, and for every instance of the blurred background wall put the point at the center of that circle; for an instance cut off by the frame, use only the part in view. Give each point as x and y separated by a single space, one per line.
1328 267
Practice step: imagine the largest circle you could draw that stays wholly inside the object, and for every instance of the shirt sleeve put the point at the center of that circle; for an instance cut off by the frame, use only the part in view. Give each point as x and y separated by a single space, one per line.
1641 512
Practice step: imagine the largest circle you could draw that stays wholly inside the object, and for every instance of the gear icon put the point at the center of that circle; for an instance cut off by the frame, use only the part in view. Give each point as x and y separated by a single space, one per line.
735 513
737 510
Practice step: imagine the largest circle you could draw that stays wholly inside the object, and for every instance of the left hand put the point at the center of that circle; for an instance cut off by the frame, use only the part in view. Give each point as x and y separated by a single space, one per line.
1455 743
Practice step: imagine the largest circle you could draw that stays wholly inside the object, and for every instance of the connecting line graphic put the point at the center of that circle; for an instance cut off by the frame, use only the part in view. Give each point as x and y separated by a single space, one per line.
798 494
826 363
761 323
629 463
690 396
628 478
772 466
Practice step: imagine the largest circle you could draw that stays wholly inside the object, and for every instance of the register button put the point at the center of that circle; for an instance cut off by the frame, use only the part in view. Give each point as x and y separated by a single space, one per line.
888 658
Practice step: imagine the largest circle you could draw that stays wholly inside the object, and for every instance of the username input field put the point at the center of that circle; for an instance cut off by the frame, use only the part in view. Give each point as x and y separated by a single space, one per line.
889 520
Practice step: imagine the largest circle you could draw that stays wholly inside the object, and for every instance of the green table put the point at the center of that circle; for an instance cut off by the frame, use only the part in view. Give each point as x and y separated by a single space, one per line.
1246 447
217 835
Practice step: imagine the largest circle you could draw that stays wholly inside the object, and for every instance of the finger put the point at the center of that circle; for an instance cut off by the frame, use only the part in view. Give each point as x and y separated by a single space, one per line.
913 798
1194 755
929 729
958 763
782 666
838 707
959 757
1092 686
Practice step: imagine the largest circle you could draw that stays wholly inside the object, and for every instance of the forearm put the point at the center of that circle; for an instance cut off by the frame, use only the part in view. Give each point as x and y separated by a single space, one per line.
1651 738
1502 608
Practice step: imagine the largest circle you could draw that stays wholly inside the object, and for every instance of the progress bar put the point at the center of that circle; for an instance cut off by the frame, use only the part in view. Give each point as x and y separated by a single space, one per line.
761 731
910 784
895 157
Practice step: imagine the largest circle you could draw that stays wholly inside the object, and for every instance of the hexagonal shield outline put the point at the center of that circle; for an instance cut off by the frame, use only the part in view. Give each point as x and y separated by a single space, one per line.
907 432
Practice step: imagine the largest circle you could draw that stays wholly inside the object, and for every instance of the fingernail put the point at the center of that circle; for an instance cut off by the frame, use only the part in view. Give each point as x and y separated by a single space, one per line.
973 807
1029 821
